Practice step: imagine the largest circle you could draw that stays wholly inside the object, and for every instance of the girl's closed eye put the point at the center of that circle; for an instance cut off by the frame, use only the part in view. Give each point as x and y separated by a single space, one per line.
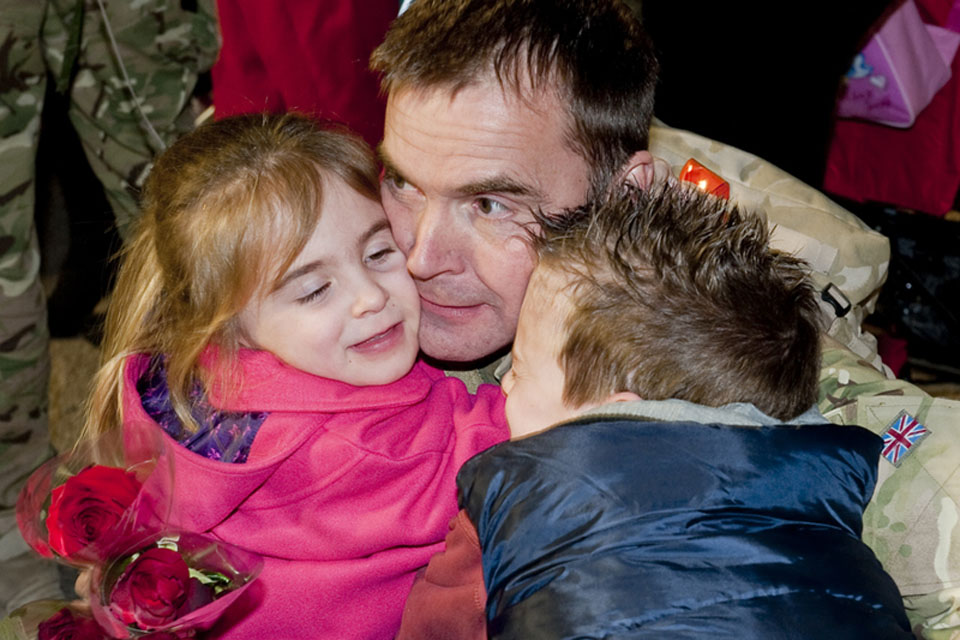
382 254
316 294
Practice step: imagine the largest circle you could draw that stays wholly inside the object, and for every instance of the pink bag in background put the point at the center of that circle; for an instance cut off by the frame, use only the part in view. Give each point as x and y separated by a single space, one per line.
916 168
953 18
897 74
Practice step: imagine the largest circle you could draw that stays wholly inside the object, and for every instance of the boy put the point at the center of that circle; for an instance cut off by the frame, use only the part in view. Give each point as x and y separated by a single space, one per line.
693 490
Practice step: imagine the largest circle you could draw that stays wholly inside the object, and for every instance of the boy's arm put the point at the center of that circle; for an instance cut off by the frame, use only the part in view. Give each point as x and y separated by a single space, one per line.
448 599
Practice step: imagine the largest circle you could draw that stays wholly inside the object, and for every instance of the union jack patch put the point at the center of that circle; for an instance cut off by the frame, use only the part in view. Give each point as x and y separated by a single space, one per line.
902 437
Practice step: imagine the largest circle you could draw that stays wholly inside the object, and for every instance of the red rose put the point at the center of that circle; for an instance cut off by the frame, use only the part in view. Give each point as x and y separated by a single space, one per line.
65 626
152 589
87 506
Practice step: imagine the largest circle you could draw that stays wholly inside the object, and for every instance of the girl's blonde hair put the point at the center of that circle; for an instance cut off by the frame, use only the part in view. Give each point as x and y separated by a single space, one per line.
226 210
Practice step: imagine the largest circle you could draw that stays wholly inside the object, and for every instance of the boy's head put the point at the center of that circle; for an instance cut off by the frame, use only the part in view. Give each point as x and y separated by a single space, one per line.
665 293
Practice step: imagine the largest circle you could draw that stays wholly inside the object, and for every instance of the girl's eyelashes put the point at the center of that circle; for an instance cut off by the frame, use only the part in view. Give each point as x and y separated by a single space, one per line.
316 294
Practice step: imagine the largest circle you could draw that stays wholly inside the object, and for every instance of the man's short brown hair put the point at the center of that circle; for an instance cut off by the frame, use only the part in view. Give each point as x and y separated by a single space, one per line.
593 53
677 294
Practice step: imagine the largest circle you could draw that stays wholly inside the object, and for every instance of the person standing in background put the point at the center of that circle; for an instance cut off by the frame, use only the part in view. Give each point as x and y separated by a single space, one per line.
129 69
302 55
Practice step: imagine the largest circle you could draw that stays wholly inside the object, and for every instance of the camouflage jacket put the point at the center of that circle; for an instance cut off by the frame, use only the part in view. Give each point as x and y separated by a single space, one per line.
915 511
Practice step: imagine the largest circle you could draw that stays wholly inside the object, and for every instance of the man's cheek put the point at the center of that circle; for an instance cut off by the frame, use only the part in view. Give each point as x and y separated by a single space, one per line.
402 223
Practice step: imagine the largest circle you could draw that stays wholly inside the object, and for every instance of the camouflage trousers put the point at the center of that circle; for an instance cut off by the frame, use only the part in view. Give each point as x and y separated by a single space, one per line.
128 97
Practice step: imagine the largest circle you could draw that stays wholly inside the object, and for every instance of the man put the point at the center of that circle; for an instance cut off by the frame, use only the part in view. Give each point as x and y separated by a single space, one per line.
469 150
496 108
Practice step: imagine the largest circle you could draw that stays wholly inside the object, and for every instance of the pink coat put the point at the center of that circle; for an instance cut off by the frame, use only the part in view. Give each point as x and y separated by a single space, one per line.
346 492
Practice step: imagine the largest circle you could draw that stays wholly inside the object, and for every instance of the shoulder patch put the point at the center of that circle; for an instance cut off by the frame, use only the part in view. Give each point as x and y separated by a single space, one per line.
901 437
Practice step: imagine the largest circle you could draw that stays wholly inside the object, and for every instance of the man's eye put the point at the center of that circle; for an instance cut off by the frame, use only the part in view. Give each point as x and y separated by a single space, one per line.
396 182
490 207
382 254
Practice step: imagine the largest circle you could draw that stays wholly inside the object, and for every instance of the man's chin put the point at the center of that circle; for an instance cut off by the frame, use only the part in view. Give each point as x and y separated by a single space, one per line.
454 350
461 341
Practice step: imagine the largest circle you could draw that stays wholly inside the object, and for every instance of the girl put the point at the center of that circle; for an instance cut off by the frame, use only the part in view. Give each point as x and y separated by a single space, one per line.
263 318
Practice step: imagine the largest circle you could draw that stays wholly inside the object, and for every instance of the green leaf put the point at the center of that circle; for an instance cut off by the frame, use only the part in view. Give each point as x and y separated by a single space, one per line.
218 581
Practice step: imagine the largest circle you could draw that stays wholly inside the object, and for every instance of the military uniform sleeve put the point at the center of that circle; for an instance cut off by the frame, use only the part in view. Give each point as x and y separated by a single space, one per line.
913 521
913 518
448 599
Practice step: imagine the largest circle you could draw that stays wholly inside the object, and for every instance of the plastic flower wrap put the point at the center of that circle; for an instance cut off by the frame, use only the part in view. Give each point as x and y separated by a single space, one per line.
82 505
70 624
176 585
50 620
59 620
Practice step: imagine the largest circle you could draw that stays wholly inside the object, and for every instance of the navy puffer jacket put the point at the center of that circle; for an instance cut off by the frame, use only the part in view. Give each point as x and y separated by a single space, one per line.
623 528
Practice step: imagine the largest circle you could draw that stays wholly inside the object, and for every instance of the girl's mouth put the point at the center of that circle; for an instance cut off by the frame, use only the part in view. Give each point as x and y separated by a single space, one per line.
382 341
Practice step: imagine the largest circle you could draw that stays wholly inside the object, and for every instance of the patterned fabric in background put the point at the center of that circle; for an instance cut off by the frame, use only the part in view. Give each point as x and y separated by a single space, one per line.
164 48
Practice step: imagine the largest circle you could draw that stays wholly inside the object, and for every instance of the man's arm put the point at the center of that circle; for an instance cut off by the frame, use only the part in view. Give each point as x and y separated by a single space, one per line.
448 599
913 521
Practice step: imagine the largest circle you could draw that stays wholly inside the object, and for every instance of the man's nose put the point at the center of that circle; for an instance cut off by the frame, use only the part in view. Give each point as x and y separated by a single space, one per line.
369 297
435 249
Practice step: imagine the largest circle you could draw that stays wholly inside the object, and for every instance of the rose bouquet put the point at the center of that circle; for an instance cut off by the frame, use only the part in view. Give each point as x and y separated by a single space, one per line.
104 507
50 620
82 505
70 624
162 588
58 620
176 585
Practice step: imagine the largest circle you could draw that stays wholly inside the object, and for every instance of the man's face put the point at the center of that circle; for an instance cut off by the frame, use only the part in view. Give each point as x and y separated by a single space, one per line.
462 173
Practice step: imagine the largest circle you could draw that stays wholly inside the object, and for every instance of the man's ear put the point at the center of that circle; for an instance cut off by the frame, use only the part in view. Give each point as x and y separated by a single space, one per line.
638 170
622 396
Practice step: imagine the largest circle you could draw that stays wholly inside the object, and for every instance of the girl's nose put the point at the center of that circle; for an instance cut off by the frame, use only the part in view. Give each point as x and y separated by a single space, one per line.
370 297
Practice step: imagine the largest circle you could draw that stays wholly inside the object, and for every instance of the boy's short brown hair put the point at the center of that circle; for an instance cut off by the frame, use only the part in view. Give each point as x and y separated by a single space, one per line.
677 294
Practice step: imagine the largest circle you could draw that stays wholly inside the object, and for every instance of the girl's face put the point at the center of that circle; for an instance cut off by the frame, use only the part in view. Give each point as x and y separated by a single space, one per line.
346 309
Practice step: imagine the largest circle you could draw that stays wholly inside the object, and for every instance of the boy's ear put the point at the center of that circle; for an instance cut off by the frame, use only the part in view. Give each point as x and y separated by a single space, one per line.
639 170
623 396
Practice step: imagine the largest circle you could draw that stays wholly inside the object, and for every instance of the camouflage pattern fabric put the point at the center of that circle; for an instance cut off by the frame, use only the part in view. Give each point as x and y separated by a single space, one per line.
163 48
489 374
839 247
913 521
24 442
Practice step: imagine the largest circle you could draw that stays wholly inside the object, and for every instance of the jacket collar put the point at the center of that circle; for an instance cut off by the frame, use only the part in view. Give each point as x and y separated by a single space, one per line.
737 413
267 384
